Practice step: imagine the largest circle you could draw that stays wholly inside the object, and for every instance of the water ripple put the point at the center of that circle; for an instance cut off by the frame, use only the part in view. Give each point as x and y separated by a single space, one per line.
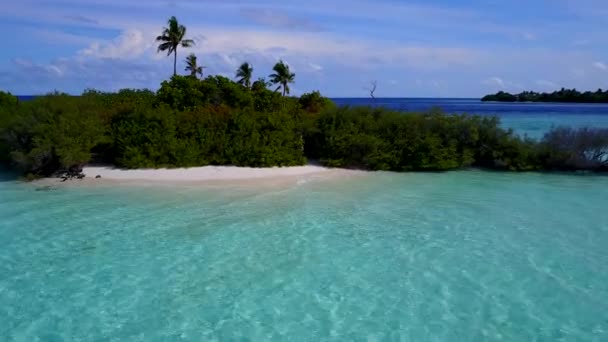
456 256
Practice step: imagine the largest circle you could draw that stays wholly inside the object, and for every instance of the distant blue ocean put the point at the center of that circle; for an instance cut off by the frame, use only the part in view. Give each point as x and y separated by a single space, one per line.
25 97
476 106
454 256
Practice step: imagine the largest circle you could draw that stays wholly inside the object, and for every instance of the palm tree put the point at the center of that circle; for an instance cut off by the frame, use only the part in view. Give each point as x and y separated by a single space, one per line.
259 84
192 66
244 74
171 38
282 76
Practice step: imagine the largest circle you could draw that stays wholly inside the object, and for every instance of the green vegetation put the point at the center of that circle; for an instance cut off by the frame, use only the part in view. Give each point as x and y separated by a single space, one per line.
379 139
188 122
193 67
244 74
216 121
563 95
282 77
172 37
8 107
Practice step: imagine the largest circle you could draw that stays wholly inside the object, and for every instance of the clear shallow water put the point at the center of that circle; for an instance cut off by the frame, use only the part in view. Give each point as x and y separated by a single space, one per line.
532 119
458 256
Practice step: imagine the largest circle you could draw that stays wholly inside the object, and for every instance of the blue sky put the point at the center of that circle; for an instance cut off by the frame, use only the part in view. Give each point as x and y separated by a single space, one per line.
433 48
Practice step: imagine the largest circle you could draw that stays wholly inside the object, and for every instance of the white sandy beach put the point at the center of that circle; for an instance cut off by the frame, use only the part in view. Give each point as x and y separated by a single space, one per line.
205 174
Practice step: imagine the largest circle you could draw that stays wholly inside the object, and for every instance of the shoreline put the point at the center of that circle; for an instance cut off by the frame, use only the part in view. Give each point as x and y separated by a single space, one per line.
204 175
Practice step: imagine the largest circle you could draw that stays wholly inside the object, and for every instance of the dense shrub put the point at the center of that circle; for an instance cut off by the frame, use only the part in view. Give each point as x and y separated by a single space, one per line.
183 92
8 99
374 138
8 108
564 148
315 103
52 132
206 135
188 123
215 121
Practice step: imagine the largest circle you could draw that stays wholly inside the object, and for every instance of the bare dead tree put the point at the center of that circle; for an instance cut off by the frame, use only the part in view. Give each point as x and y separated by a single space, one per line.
372 89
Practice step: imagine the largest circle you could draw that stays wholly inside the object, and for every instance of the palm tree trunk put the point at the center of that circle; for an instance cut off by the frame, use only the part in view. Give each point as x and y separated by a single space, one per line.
283 90
175 62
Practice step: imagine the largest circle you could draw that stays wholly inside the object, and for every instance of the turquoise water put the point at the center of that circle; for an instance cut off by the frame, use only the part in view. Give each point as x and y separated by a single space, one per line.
458 256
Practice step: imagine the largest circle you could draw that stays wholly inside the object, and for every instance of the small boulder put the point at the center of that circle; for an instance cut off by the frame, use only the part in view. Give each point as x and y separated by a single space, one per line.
98 176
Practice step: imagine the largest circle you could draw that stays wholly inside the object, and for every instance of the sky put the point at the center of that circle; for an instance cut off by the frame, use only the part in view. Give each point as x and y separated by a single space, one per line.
432 48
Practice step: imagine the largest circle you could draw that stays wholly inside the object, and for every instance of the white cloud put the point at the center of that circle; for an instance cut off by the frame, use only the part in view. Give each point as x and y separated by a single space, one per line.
546 84
229 60
494 81
315 67
233 43
54 70
498 83
601 66
130 44
76 74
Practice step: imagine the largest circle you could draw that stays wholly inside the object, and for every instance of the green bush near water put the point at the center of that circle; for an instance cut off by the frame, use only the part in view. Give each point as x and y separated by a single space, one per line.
216 121
379 139
8 108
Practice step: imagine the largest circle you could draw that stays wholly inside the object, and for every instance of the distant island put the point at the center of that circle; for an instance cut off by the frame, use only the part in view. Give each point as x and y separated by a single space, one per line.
563 95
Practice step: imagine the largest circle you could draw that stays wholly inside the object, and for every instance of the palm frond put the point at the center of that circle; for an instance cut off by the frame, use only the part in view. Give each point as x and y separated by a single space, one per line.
173 24
187 43
274 78
163 38
244 74
171 38
181 32
168 46
282 76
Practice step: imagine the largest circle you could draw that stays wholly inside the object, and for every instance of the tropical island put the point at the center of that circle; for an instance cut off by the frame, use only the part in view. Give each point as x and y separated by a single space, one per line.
193 121
562 95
